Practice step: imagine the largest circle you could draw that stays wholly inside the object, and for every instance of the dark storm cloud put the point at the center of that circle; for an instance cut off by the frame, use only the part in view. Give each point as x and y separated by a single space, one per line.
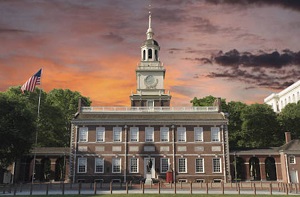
168 15
113 37
273 70
267 60
289 4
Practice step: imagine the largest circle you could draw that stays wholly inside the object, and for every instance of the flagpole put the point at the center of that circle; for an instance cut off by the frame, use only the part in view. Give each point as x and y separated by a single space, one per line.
36 137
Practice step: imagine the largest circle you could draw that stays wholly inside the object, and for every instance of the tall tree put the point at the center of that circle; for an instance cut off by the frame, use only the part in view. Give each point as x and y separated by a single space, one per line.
235 123
66 101
289 119
17 129
260 127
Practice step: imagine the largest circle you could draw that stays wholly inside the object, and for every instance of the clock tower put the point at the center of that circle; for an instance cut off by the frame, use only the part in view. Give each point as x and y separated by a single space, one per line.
150 76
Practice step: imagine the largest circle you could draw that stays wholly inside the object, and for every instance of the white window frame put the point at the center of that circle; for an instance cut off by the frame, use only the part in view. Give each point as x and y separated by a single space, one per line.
164 134
292 159
117 130
182 161
149 134
199 165
99 162
198 134
83 134
81 163
181 134
215 134
116 164
134 165
100 134
217 165
134 134
164 165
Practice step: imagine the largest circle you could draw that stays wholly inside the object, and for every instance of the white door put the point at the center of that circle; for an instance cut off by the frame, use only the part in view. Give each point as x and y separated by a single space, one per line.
149 168
294 176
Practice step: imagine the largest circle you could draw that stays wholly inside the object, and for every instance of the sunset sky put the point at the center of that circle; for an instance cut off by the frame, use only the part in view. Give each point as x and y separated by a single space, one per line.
238 50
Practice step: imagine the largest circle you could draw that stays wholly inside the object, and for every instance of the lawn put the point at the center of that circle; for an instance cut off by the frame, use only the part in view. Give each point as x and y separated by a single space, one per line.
156 195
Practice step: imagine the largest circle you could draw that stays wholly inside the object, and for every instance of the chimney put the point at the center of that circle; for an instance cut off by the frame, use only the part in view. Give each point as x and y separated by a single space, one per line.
218 103
287 137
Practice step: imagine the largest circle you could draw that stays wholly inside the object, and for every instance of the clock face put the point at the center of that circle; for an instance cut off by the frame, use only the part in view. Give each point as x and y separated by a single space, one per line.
149 80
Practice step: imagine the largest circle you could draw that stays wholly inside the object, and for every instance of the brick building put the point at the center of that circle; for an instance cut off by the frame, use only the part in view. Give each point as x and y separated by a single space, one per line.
150 139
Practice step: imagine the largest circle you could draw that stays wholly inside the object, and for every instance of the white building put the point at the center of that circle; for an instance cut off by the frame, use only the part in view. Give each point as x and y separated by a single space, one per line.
289 95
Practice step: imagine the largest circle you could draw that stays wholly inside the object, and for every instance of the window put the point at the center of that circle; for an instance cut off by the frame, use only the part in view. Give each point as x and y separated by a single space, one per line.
181 134
292 160
116 165
134 165
216 165
215 134
149 53
198 134
164 134
117 134
182 165
134 134
149 134
144 54
99 165
100 134
164 165
150 103
83 134
82 165
199 165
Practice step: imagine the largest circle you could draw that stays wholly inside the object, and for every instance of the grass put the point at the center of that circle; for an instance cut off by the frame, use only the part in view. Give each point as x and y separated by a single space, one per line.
156 195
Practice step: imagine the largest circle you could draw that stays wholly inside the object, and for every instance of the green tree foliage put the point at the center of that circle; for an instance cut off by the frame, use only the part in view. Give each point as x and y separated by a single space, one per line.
289 119
17 129
66 102
208 101
56 110
235 122
260 127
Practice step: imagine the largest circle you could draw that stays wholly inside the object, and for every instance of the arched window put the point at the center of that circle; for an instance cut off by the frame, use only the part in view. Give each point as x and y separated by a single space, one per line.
270 169
149 53
254 169
156 55
144 54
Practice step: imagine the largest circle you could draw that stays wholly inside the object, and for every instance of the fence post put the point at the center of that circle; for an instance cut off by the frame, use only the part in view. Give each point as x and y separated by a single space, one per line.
254 189
191 188
63 188
271 189
206 187
239 189
110 187
31 185
95 188
159 187
15 189
222 183
143 188
126 187
47 189
181 185
79 188
175 187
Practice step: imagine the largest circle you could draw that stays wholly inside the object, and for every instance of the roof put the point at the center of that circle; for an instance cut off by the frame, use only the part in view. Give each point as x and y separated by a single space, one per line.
293 147
150 117
150 42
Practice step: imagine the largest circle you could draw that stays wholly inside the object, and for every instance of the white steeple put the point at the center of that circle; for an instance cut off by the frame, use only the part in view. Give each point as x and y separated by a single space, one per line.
150 32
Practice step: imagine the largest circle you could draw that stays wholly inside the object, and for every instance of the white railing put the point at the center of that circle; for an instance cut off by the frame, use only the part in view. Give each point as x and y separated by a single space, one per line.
150 109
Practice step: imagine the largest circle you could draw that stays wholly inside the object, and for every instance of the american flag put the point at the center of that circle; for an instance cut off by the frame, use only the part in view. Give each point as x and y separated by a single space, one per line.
30 84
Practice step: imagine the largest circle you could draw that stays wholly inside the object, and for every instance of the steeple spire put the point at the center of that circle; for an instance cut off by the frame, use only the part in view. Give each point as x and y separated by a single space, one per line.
150 32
